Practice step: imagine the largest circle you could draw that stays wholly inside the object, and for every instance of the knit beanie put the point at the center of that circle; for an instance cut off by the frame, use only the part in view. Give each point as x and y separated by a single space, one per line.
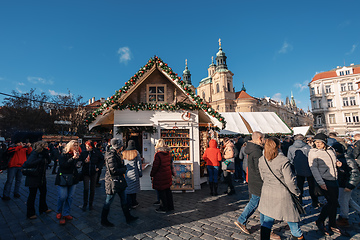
321 137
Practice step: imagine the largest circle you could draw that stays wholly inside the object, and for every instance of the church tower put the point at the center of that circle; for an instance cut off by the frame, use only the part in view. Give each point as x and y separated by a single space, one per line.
186 74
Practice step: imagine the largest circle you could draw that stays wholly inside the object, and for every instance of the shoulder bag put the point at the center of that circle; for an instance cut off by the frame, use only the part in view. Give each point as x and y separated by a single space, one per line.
294 198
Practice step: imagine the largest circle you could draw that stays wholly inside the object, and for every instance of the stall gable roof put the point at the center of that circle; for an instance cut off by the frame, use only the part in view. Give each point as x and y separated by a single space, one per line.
107 109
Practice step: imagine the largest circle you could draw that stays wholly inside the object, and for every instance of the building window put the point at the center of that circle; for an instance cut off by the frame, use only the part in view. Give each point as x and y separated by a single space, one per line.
347 72
318 120
312 91
332 118
330 103
352 101
355 117
314 105
228 87
217 88
345 102
327 88
341 73
347 117
318 90
343 87
203 95
319 103
350 86
156 92
217 108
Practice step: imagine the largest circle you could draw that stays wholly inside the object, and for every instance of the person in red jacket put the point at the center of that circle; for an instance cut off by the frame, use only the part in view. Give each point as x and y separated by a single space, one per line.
161 175
20 151
212 157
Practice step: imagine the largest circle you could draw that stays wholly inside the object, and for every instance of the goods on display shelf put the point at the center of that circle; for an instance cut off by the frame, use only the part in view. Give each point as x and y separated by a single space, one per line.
179 142
183 179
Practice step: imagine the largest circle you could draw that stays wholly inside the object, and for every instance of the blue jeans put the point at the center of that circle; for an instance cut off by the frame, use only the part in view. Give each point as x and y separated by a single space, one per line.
213 172
13 172
250 209
110 198
65 197
294 226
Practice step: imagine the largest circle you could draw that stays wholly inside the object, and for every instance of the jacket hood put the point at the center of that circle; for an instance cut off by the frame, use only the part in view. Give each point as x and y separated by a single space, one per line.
252 147
299 144
212 143
163 149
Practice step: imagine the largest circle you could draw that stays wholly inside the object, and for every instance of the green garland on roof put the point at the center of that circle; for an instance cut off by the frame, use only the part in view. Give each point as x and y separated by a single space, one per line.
112 102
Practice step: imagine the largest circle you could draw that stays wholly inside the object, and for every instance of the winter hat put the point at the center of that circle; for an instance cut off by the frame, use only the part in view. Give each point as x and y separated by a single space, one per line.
131 145
116 143
321 137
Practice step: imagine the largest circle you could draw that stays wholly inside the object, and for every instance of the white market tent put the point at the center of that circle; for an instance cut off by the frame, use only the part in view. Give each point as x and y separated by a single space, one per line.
249 122
305 130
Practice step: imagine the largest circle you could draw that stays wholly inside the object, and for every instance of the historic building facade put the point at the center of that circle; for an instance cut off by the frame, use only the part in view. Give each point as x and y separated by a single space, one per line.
217 90
335 99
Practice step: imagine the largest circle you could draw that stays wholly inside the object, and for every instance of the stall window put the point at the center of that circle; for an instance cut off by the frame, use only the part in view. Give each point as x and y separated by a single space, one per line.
156 93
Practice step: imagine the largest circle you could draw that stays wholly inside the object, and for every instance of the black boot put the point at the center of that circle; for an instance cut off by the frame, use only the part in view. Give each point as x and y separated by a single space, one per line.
129 218
104 221
215 189
211 184
265 233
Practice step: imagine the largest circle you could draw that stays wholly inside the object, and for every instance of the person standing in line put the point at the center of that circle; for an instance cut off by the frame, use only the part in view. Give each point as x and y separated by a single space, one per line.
212 157
356 151
20 152
277 206
161 175
322 162
228 166
298 157
66 180
98 146
92 161
254 150
115 182
132 161
38 159
244 158
349 178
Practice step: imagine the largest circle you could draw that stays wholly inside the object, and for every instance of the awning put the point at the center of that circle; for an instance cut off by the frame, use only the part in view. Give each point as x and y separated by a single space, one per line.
249 122
305 130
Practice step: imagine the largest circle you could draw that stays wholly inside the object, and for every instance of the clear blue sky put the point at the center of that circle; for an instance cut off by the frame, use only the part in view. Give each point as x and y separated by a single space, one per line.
92 47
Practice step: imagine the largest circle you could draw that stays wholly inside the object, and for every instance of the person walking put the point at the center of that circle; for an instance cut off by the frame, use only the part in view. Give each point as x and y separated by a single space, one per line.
19 152
92 161
132 161
274 166
115 182
161 174
212 157
38 159
66 180
228 166
322 162
298 157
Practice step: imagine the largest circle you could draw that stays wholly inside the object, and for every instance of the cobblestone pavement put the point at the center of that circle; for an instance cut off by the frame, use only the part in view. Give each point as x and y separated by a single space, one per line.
197 215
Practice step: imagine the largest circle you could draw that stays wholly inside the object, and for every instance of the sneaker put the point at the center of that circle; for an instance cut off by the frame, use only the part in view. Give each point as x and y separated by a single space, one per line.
242 227
274 236
58 215
158 210
299 238
342 222
68 217
16 195
33 217
62 221
339 231
5 198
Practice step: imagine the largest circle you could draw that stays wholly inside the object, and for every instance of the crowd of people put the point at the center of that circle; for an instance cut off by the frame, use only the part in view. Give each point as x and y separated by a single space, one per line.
275 170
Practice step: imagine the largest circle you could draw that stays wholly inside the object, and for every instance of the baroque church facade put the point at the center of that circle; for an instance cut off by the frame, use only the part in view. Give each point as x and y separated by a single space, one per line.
218 91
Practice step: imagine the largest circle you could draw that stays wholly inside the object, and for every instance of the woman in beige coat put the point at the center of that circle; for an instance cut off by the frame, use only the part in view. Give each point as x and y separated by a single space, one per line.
275 201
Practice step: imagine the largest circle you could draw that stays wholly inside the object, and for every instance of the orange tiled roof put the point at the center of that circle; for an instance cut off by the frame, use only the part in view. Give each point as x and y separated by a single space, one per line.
332 73
243 95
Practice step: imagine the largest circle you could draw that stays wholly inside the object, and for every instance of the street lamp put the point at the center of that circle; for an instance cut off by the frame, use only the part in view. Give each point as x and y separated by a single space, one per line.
62 123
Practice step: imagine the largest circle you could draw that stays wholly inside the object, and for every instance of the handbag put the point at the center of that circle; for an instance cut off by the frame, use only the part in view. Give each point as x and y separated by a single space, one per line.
118 185
228 164
294 198
30 172
66 179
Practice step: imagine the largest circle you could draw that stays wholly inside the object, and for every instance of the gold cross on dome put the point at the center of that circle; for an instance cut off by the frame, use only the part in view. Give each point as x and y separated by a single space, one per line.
212 59
219 42
186 62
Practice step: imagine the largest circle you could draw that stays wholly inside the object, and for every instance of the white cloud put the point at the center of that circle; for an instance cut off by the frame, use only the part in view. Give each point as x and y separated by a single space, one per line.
36 80
21 84
352 49
286 47
53 93
19 90
302 86
277 97
125 54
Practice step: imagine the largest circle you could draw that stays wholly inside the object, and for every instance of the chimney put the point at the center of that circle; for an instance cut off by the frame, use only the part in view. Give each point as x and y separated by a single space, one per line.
89 101
102 100
352 64
93 100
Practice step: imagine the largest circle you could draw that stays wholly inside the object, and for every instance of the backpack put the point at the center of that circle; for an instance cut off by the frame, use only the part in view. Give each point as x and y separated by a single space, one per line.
5 159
